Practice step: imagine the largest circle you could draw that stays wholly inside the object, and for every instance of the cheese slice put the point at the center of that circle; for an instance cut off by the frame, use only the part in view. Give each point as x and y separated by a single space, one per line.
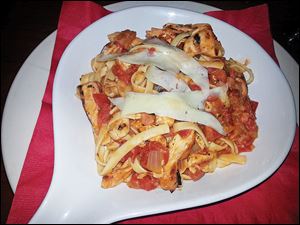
170 104
195 99
168 58
166 79
164 56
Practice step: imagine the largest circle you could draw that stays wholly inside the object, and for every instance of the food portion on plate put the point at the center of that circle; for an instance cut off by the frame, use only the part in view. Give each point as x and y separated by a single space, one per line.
167 108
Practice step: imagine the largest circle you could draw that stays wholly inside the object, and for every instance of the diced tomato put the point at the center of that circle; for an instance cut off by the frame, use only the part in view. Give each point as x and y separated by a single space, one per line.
147 119
194 176
251 125
234 74
194 87
124 75
169 135
210 70
154 146
121 47
147 183
136 151
184 133
151 51
211 134
245 148
133 153
154 149
254 105
157 146
245 141
132 69
104 107
218 74
119 72
217 77
212 98
101 100
124 39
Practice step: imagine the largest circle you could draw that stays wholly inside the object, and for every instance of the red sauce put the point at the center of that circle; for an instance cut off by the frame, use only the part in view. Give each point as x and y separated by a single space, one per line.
147 183
184 133
194 87
238 119
122 73
151 51
103 104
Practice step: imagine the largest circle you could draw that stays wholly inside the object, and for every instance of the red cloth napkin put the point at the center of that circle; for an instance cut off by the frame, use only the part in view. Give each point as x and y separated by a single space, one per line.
276 200
37 170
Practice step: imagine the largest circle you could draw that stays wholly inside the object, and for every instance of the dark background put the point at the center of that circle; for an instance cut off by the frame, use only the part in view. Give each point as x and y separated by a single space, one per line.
25 24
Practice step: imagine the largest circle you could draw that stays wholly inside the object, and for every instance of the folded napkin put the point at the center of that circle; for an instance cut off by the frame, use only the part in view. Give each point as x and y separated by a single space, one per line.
276 200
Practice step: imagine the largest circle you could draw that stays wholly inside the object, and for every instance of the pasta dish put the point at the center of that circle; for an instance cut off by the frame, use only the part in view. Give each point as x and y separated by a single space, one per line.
167 108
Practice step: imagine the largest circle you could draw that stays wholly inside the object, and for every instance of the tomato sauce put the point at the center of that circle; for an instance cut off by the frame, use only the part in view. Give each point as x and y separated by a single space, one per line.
147 183
103 104
122 73
238 119
194 87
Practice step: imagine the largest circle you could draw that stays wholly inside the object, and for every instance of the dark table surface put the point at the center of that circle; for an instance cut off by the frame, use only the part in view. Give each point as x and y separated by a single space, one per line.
25 24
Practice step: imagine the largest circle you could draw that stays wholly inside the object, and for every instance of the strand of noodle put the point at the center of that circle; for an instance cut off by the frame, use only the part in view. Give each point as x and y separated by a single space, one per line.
215 147
134 130
241 68
112 146
236 150
106 154
101 135
222 164
115 117
136 166
211 166
114 110
135 116
208 106
149 87
109 66
97 66
99 168
138 87
185 177
190 126
213 64
232 158
131 143
110 76
179 38
230 144
103 71
101 158
99 162
90 77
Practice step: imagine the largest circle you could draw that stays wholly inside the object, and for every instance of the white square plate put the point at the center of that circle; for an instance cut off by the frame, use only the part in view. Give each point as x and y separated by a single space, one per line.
75 195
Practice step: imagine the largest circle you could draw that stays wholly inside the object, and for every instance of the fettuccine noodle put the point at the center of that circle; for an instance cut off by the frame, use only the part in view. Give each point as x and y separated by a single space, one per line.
167 108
